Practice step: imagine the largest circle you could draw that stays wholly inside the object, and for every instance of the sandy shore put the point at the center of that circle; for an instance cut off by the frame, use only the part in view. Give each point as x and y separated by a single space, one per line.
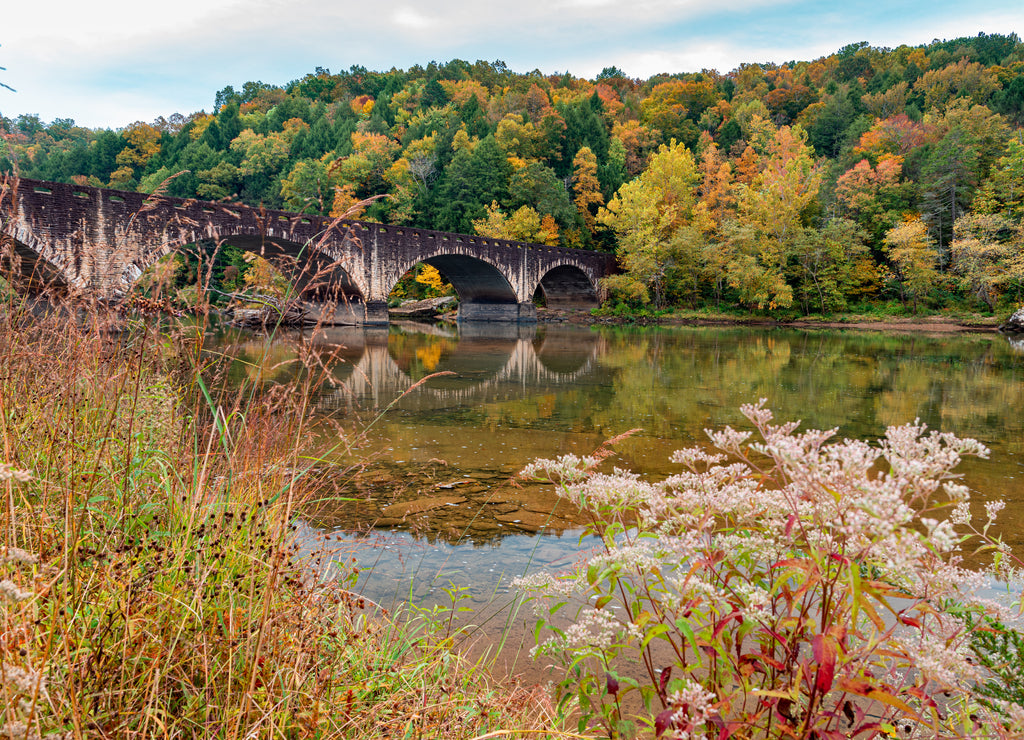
909 324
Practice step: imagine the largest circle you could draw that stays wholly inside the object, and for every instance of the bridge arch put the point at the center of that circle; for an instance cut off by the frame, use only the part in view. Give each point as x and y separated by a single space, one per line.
30 261
323 282
485 291
567 286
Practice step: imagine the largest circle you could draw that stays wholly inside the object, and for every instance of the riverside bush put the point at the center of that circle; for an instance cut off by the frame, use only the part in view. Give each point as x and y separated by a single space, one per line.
784 586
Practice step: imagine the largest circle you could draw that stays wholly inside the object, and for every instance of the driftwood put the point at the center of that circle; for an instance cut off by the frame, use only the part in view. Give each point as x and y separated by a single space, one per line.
425 309
271 311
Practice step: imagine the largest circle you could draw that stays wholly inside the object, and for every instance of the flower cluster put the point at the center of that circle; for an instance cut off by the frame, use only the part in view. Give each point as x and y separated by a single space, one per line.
9 472
794 571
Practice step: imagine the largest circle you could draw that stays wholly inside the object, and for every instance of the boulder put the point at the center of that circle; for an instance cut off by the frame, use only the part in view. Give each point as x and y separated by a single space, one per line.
1015 324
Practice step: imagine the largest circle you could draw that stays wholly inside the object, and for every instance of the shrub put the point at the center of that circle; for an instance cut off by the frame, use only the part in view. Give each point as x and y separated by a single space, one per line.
789 587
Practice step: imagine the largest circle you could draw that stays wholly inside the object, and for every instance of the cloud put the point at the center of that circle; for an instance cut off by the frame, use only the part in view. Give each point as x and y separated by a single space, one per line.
114 61
412 19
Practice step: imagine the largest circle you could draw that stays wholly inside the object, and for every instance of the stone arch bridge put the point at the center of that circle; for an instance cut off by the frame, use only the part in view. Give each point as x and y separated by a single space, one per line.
91 240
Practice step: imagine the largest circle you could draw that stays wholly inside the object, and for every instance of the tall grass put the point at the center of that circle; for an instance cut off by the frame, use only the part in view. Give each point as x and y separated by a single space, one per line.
149 578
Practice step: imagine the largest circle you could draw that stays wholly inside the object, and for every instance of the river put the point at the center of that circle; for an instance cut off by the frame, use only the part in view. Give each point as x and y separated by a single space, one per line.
437 504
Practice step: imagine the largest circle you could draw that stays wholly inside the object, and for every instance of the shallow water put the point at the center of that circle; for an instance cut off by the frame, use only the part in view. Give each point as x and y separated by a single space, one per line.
439 503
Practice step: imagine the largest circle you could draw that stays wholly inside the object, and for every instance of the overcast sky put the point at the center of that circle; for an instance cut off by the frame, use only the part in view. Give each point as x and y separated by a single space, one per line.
112 62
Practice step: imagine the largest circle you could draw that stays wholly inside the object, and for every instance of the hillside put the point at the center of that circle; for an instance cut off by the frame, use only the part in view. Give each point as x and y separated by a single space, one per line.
869 174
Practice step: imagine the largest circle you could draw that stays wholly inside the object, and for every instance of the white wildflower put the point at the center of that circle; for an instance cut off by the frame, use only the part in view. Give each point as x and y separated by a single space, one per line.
547 583
754 597
757 413
957 491
19 730
9 472
992 509
17 555
939 661
692 456
12 592
25 682
727 439
941 534
620 488
961 514
596 629
565 469
692 705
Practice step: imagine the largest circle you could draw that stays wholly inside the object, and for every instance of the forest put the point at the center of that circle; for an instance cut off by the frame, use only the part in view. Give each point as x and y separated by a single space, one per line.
872 175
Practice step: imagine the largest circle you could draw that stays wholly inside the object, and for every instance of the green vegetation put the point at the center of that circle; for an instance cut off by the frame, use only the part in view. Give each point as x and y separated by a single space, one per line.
151 583
871 174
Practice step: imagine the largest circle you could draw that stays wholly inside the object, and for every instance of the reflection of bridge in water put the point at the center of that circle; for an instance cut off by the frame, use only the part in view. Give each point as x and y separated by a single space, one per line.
498 363
434 486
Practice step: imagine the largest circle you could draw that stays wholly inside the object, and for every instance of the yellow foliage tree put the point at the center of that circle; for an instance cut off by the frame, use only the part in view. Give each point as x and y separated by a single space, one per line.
434 282
914 258
585 185
525 225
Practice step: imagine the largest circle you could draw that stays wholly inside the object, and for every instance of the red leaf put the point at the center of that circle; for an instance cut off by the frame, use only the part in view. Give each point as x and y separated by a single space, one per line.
857 686
724 621
789 524
662 722
825 650
613 684
666 674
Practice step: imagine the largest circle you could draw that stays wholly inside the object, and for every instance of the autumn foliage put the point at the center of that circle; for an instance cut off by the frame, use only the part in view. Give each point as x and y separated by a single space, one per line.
795 174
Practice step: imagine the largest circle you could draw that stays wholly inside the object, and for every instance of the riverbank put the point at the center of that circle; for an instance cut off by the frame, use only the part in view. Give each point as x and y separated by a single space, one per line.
150 572
937 323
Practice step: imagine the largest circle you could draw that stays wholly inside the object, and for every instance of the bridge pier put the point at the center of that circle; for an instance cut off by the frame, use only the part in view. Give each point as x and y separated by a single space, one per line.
510 312
376 313
330 313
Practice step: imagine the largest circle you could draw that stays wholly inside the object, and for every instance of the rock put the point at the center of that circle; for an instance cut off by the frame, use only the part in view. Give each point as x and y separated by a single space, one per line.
424 309
530 521
1014 324
418 506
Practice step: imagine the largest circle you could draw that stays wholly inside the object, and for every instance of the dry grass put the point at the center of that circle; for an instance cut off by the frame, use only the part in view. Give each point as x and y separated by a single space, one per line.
162 596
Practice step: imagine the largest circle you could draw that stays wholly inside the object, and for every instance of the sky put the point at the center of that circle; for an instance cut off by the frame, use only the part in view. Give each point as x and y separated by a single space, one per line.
108 63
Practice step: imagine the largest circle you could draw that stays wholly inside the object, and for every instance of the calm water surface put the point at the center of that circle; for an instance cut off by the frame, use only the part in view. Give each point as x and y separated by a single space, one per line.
438 503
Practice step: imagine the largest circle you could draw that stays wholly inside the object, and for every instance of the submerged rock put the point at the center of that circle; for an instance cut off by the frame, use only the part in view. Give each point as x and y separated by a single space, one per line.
1015 324
407 508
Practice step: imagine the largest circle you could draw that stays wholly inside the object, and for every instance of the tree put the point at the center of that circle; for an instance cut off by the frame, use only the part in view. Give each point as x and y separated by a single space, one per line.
988 256
828 132
950 174
585 186
309 186
962 79
828 264
914 258
472 180
365 167
717 191
524 225
674 107
656 243
1003 190
142 144
875 196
